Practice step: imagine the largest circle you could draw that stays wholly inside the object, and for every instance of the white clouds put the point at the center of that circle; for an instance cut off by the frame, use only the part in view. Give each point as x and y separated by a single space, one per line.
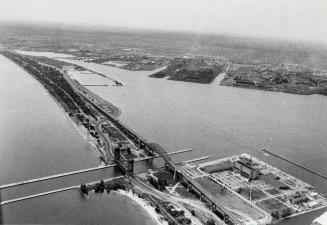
301 19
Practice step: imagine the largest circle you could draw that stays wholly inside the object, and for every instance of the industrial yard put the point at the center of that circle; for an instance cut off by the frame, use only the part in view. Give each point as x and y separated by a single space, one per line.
260 186
163 112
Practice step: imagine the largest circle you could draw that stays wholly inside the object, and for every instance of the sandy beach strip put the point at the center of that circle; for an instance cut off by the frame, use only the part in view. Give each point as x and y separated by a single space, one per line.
146 206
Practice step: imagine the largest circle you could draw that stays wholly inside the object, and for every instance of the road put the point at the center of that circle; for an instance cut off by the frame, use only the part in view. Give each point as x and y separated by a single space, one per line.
107 143
176 200
267 217
221 76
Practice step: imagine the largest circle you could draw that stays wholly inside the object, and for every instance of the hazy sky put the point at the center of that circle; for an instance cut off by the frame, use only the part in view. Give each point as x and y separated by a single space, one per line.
294 19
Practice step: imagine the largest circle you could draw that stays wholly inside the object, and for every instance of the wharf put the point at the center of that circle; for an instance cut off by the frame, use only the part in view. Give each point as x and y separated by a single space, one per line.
55 176
296 164
38 195
95 85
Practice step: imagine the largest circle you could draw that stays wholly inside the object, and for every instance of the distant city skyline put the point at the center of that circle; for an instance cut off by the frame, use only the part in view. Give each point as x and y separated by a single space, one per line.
281 19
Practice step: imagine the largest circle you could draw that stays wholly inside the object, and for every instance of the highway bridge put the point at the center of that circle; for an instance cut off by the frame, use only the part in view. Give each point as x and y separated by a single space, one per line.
207 197
151 149
201 192
37 187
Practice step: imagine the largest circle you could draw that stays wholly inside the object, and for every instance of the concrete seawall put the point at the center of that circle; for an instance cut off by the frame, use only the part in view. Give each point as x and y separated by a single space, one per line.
296 164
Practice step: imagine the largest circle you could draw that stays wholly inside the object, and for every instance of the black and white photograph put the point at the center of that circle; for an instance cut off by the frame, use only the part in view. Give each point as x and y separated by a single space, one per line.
163 112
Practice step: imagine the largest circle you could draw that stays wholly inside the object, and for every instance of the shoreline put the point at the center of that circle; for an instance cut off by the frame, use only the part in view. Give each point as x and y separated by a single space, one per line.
87 93
303 93
80 130
69 114
284 175
149 210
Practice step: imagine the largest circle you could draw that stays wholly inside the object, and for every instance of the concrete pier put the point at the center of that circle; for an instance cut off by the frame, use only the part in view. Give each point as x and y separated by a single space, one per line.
159 156
197 159
296 164
38 195
54 176
95 85
81 171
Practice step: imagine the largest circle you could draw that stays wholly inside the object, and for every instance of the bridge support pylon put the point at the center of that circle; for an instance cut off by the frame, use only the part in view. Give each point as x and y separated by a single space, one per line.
213 207
175 174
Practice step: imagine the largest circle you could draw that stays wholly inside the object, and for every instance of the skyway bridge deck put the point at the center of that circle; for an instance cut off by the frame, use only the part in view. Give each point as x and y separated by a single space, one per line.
151 148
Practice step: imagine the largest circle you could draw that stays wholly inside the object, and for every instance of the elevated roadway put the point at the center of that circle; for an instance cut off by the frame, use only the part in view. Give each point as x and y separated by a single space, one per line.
151 148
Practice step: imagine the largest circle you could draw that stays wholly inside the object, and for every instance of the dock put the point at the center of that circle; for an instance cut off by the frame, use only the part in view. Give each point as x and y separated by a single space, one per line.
77 187
295 163
55 176
197 159
158 156
95 85
82 171
38 195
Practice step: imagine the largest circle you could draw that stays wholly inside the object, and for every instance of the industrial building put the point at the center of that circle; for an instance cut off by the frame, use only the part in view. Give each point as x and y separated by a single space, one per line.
246 169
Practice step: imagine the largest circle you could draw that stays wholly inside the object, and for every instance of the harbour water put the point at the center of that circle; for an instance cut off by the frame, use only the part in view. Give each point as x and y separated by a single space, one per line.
213 120
221 121
37 139
71 208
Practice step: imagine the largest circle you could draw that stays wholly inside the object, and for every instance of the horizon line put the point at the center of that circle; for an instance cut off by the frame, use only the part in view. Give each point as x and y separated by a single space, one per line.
104 27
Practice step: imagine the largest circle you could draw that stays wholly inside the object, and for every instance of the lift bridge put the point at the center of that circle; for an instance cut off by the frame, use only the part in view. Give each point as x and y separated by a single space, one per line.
124 161
151 149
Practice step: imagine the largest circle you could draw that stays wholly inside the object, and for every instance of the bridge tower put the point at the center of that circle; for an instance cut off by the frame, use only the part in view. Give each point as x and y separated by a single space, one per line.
124 161
175 174
117 154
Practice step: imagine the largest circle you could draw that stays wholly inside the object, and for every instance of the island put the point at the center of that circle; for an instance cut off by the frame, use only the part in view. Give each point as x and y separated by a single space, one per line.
192 69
